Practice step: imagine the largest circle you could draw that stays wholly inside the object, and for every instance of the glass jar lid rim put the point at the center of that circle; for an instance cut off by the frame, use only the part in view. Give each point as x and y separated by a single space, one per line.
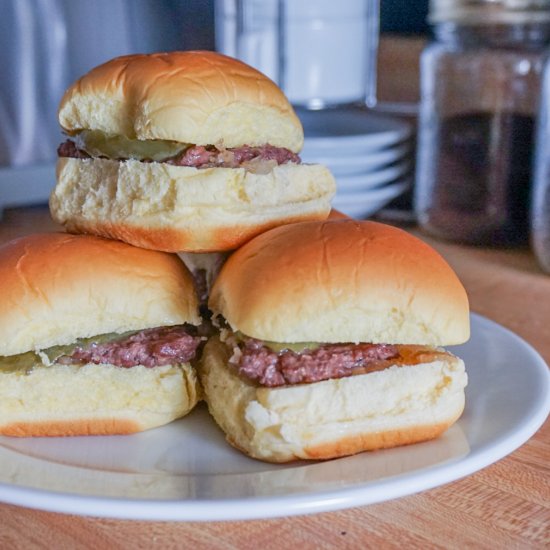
489 11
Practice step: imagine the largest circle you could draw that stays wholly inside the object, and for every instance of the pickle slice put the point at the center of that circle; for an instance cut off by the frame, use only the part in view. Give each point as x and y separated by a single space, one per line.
100 144
25 362
297 347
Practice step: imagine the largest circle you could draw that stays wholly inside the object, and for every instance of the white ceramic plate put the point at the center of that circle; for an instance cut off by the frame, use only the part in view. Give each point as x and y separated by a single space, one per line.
362 204
185 471
350 131
364 163
372 180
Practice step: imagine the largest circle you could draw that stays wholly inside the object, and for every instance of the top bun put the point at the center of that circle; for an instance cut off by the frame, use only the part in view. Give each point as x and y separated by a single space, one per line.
342 281
197 97
57 288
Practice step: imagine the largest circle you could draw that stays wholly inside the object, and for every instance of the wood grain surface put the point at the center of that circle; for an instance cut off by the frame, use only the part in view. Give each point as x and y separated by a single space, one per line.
506 505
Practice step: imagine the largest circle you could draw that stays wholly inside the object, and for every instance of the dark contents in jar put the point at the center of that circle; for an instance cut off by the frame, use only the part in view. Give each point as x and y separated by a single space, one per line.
482 179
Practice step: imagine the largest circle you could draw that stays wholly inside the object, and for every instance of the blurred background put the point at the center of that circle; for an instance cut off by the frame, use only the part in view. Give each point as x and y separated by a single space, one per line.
425 111
352 72
47 44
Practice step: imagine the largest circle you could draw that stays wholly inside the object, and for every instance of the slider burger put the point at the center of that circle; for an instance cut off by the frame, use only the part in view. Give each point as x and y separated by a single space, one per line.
332 342
97 337
183 151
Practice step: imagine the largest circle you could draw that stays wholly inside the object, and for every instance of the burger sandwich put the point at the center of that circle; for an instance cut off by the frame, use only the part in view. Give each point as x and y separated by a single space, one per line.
183 151
330 342
98 337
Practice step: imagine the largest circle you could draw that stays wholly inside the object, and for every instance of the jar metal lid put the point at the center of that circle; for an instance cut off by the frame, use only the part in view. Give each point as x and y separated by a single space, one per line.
482 12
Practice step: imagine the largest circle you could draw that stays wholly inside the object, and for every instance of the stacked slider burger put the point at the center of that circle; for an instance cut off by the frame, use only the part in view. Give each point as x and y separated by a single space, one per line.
182 151
178 152
330 331
330 342
98 337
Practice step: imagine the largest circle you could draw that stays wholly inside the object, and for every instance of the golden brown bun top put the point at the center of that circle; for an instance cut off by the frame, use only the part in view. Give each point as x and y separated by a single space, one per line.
342 281
194 97
58 287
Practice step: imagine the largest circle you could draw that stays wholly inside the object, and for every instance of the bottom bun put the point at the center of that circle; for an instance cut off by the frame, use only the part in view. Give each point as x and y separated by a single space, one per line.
333 418
63 400
179 208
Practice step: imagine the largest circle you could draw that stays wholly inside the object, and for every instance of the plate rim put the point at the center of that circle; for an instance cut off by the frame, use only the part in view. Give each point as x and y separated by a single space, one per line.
390 190
349 146
395 126
250 508
388 156
377 178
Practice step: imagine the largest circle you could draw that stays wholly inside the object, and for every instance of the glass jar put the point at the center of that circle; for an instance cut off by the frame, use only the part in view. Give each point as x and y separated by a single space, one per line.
540 228
480 88
321 53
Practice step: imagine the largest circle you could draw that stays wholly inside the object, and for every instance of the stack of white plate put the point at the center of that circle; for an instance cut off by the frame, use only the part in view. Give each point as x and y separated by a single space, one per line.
368 153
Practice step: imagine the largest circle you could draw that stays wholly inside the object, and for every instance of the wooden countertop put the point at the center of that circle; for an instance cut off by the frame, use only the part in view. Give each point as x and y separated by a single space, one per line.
506 505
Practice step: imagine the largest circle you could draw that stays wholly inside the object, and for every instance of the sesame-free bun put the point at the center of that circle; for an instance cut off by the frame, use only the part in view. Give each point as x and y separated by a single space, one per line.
185 209
58 287
196 97
332 418
63 400
341 281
